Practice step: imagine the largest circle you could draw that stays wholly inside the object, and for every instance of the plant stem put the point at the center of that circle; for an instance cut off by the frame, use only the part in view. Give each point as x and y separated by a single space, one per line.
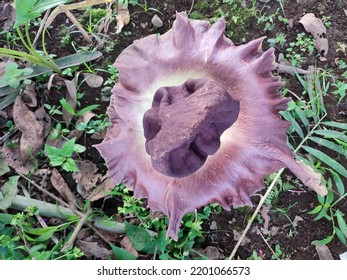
52 210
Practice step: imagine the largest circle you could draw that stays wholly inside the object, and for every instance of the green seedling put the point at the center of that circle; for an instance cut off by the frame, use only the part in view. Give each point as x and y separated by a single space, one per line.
72 112
13 75
63 156
16 228
94 125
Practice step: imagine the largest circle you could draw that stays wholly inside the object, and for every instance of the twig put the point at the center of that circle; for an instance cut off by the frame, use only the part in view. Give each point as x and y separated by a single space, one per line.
250 221
42 25
191 7
77 229
62 202
79 26
267 244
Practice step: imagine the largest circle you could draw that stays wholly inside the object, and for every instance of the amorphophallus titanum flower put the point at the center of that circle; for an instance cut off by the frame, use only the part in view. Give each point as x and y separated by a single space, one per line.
195 120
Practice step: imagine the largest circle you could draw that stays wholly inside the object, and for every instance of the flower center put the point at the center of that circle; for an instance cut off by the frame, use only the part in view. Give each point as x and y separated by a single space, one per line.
185 124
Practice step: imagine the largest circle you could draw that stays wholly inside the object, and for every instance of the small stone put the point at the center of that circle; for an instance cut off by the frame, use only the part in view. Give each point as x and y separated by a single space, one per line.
157 22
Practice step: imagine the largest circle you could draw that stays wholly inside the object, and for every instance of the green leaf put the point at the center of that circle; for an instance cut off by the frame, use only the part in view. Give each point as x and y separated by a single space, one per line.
340 235
3 166
68 148
122 254
67 106
70 165
342 126
323 214
43 5
316 209
30 9
79 148
338 182
51 151
330 145
331 134
326 159
9 191
56 160
87 109
294 123
323 241
27 71
138 236
341 222
302 116
5 218
25 11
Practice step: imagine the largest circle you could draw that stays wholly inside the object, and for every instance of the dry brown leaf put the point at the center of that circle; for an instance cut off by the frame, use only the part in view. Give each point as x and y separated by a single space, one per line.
90 184
102 189
29 95
86 178
314 182
265 214
60 185
323 252
296 220
123 18
7 16
316 27
126 244
41 115
93 80
237 236
285 67
32 130
71 98
14 160
212 253
2 68
93 249
99 135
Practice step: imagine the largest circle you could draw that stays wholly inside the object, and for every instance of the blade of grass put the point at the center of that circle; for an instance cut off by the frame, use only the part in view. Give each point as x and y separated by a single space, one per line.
327 160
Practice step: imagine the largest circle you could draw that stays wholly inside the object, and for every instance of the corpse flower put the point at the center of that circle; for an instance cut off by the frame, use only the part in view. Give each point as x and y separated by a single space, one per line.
195 120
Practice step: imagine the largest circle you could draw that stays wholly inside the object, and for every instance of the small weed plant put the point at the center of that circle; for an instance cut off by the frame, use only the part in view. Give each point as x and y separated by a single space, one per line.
63 156
150 235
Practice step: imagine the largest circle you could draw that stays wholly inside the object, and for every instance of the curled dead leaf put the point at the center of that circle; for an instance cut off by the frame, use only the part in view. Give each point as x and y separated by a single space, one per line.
60 185
323 252
123 18
32 130
14 160
93 249
318 30
29 96
102 189
126 244
71 98
7 16
86 177
285 67
41 115
212 253
90 184
314 181
93 80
